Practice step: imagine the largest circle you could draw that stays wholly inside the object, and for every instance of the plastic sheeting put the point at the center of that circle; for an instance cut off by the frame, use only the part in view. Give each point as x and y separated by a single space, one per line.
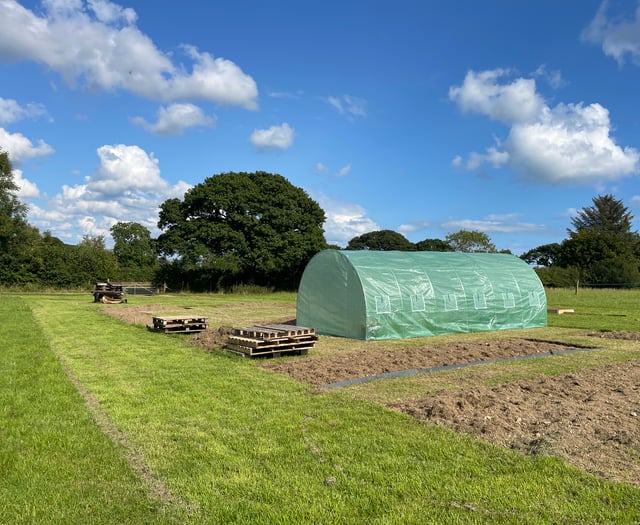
375 295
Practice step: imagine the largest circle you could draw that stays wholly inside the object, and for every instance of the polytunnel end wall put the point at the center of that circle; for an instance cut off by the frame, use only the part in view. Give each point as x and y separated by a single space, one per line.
330 297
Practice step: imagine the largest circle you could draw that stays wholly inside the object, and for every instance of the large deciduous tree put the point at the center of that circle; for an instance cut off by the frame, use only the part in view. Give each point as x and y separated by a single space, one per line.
134 250
470 241
242 228
433 245
544 255
384 240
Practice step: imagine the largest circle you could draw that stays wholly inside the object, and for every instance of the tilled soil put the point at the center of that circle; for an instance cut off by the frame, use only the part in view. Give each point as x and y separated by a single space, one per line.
590 417
321 371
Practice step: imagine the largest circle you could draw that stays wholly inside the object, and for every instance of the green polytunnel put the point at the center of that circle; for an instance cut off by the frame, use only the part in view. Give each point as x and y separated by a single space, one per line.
392 294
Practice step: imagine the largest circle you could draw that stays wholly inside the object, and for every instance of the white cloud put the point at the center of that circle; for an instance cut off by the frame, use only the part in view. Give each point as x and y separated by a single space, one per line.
344 171
275 137
320 168
11 111
618 37
570 143
493 155
20 148
413 227
506 223
509 103
566 143
109 12
173 120
125 169
126 186
99 45
346 104
456 162
553 78
26 188
344 220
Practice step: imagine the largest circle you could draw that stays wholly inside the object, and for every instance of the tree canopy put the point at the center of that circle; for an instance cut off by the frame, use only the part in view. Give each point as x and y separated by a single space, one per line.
470 241
241 228
134 250
384 240
433 245
607 215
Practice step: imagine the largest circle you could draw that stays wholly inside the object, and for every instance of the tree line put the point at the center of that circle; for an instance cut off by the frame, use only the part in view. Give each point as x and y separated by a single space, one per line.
258 229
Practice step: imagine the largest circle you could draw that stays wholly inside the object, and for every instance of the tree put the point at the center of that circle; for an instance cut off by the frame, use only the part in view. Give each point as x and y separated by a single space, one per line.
384 240
607 215
93 261
544 255
602 245
470 241
19 260
242 228
134 250
601 257
433 245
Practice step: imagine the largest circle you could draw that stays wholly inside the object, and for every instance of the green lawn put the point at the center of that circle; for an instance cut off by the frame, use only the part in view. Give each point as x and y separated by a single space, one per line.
103 422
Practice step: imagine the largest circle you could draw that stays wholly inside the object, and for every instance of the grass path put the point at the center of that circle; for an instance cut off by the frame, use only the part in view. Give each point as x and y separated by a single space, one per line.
231 443
56 464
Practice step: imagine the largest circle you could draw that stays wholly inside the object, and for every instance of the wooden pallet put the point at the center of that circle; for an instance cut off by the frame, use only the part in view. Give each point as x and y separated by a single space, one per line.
271 340
561 311
175 324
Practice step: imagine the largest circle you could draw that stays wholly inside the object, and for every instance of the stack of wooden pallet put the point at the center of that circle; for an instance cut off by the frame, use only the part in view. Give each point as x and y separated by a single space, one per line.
170 324
272 340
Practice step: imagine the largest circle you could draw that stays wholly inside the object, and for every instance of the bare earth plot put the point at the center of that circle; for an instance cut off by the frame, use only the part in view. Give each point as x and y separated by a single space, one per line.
590 417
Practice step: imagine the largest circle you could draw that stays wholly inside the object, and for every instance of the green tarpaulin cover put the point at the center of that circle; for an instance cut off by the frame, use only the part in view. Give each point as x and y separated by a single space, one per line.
392 295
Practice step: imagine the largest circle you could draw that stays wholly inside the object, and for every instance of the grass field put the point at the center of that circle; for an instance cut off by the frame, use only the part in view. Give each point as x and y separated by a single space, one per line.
103 422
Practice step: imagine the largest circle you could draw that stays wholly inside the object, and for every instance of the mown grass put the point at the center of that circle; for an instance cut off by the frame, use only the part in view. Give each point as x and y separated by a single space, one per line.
233 443
56 465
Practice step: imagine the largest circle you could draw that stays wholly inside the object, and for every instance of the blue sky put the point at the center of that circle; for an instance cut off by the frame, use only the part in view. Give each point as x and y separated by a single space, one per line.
420 117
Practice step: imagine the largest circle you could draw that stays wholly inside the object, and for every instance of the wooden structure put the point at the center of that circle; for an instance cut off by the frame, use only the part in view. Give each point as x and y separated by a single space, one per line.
561 311
172 324
108 293
271 340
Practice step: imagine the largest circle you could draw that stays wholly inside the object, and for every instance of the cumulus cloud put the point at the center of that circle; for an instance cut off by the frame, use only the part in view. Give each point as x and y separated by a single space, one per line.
619 37
26 188
126 186
507 223
20 148
275 137
568 143
97 43
509 103
173 120
348 105
11 111
345 220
